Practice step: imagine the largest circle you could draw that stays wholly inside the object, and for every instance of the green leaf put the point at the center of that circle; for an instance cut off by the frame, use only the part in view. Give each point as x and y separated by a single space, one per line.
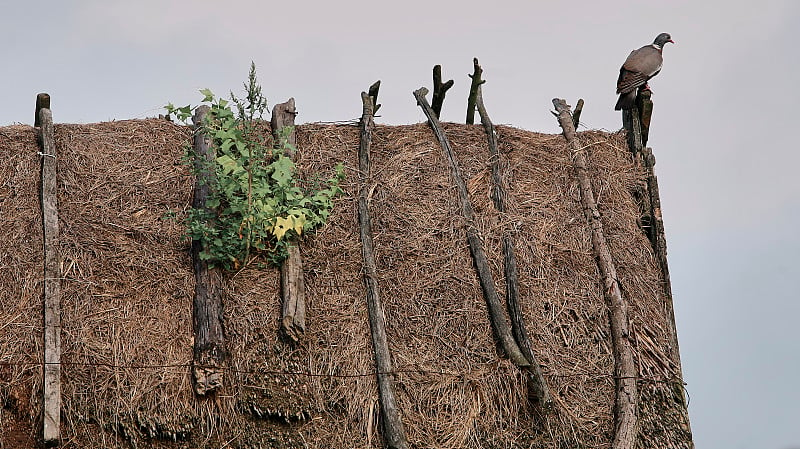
228 164
207 95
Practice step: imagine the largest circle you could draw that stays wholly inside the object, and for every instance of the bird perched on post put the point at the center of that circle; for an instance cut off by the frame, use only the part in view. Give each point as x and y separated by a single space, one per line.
641 65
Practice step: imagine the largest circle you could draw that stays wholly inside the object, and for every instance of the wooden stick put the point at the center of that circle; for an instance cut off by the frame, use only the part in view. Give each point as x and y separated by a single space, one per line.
625 372
393 430
51 388
576 116
473 91
439 90
293 286
500 327
207 312
373 93
539 391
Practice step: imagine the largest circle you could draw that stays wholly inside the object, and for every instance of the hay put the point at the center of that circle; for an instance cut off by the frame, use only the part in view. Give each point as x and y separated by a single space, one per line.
128 289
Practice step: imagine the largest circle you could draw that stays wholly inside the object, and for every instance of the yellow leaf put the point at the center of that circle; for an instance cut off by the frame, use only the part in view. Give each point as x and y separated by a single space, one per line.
299 222
281 226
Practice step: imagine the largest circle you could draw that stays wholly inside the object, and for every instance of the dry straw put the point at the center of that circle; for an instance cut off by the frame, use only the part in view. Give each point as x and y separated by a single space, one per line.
128 286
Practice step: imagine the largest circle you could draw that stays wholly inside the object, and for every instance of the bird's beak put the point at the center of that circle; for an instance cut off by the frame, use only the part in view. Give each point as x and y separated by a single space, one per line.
671 41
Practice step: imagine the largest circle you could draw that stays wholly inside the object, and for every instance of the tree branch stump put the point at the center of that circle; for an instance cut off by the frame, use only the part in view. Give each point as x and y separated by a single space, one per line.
439 90
473 91
538 389
51 384
497 318
393 429
625 371
207 311
293 286
576 116
373 93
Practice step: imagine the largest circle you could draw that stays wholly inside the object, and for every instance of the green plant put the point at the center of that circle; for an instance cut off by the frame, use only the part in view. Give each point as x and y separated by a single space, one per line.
257 204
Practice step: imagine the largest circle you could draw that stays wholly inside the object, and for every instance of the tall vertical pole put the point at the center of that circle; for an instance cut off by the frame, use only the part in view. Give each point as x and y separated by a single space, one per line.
51 409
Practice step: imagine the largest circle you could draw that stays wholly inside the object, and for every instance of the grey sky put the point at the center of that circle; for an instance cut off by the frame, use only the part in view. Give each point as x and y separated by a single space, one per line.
722 128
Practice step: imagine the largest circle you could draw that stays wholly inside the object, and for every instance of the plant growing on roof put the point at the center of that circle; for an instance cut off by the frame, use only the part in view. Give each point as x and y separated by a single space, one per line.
257 204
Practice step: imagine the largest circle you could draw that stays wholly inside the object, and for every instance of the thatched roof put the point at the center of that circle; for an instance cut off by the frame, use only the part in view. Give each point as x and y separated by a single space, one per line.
128 288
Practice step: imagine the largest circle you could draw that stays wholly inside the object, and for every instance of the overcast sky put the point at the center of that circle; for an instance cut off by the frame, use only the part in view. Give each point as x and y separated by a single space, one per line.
722 128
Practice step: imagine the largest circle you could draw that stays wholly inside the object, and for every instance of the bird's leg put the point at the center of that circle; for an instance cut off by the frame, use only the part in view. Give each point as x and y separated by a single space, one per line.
647 87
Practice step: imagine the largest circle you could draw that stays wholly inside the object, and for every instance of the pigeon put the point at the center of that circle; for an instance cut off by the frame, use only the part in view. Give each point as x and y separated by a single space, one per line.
641 65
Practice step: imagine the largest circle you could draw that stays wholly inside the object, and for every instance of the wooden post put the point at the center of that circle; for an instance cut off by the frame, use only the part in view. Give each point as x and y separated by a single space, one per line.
51 385
207 311
625 372
293 286
645 104
439 90
473 90
631 121
537 385
496 316
393 430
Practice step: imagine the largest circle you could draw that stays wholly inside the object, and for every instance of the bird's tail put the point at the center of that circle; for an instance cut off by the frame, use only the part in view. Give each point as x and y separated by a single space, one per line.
626 100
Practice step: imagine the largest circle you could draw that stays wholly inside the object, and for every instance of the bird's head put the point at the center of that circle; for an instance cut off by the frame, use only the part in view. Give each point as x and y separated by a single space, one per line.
662 39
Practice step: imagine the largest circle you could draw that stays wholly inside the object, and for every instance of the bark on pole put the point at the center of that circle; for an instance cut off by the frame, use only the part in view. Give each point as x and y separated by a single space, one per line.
439 90
625 372
393 430
207 311
51 410
293 286
497 318
539 391
473 91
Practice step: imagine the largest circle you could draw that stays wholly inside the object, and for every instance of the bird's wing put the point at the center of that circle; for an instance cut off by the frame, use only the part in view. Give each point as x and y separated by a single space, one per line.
641 65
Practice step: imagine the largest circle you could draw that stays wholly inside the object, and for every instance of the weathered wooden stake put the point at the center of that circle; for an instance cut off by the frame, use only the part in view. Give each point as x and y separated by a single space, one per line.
473 90
393 430
625 372
51 419
207 311
537 385
439 90
500 327
293 286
